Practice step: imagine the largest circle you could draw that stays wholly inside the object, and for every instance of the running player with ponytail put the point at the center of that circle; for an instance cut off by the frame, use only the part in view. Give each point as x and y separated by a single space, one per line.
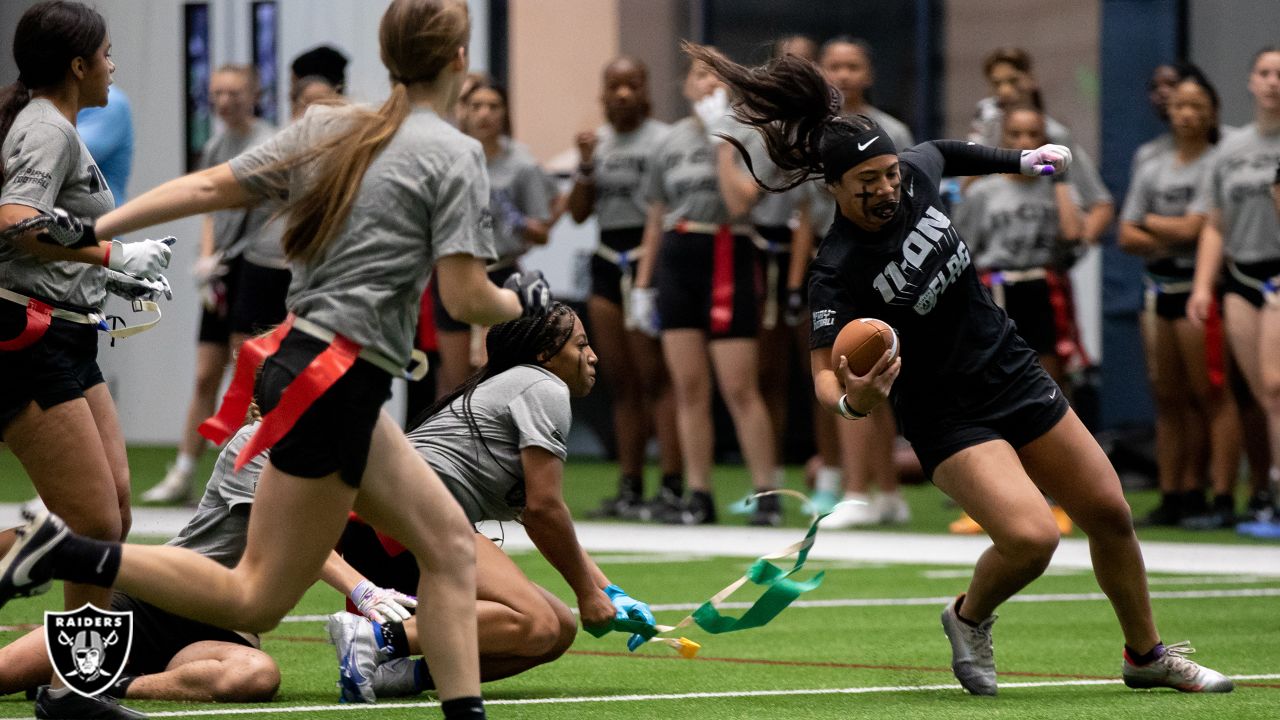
377 199
990 426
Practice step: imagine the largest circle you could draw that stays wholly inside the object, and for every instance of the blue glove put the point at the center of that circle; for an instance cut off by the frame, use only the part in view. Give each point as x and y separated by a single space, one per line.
630 609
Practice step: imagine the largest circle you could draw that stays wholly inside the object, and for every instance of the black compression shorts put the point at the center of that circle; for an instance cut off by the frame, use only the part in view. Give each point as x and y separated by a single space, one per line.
158 635
709 284
606 277
55 369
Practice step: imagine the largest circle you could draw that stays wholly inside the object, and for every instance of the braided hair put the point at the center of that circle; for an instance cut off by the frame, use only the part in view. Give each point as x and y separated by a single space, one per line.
527 340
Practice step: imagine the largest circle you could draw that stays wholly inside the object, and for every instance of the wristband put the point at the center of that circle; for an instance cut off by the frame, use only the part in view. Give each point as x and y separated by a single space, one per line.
106 256
847 412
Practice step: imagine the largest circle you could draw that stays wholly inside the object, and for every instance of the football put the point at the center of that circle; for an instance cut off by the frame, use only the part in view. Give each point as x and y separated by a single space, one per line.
863 341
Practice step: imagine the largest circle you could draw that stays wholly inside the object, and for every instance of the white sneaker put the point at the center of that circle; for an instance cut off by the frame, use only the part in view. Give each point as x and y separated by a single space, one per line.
854 510
1174 670
33 507
892 509
973 658
174 488
396 678
358 655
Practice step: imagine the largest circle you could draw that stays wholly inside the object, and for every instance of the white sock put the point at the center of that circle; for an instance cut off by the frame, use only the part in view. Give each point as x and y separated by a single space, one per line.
184 464
828 480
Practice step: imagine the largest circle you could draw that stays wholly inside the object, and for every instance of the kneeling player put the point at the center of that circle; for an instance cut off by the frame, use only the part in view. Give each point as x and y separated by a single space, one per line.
498 442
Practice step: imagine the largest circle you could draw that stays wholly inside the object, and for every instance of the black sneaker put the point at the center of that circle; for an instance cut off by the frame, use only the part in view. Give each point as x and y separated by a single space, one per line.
768 512
25 570
700 509
75 705
625 505
1260 508
1166 514
663 505
1216 520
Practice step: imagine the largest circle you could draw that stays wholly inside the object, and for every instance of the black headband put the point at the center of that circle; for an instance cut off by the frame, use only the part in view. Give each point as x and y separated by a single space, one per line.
839 155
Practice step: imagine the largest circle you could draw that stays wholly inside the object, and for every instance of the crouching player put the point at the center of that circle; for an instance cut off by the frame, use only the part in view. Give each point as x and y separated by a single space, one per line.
498 442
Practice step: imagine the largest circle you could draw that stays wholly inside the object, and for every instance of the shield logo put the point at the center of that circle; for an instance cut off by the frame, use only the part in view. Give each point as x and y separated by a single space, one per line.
88 647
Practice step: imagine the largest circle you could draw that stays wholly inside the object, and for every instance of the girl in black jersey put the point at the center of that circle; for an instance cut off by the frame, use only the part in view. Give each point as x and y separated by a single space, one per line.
989 424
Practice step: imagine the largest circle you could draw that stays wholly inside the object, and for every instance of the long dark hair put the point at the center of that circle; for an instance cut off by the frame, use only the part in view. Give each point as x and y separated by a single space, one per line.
791 104
529 340
48 37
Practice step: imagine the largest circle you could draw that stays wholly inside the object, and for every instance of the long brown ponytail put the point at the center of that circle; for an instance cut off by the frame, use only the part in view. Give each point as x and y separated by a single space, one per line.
791 104
418 39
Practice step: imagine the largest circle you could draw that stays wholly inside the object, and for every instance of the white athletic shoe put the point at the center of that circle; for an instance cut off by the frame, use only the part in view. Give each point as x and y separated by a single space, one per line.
358 655
33 507
396 678
892 509
174 488
854 510
973 658
1174 670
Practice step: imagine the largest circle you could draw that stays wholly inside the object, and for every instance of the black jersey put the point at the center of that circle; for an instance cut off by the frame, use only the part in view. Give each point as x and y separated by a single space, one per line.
958 348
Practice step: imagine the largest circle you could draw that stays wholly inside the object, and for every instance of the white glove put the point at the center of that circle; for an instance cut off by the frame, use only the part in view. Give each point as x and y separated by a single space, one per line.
382 604
643 311
713 110
144 259
207 268
131 288
1045 160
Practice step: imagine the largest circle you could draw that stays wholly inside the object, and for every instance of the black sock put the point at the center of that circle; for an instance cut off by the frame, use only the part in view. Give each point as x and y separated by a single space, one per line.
1171 500
1193 503
673 482
632 485
85 560
463 708
963 619
395 639
1150 656
1224 503
422 675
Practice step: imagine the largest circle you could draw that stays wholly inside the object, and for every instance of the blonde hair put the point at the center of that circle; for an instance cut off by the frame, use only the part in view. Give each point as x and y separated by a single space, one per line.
418 39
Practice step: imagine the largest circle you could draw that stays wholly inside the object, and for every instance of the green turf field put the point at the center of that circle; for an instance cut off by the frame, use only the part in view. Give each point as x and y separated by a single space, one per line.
869 646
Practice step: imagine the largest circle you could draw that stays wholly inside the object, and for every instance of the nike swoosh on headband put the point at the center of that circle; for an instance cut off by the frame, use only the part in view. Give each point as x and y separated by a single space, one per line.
867 144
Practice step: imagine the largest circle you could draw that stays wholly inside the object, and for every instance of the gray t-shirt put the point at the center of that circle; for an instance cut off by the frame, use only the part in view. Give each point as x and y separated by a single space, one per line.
682 174
216 530
772 209
425 196
1147 150
1009 224
1238 183
622 161
526 406
229 226
515 179
988 129
1163 185
46 165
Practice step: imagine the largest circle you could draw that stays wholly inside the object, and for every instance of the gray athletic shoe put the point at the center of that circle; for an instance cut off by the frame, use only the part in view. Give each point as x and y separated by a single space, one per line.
397 678
358 656
972 655
1174 670
26 570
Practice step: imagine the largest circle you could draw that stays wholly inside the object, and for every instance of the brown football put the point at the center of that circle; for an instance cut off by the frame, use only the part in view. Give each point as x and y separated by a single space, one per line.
863 341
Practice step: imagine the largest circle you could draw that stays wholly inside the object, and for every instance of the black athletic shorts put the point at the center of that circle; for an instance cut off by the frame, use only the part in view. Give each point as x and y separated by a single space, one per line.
258 303
1020 408
158 635
444 321
780 235
606 277
215 322
1259 272
709 284
55 369
333 434
1031 310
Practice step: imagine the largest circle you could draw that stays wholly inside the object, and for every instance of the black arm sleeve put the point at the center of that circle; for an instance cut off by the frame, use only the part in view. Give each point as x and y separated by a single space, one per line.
966 158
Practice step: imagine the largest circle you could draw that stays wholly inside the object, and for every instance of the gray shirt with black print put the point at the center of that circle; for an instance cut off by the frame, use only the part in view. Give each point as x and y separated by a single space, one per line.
1238 183
424 196
526 406
683 176
1009 224
230 226
621 167
47 166
1164 185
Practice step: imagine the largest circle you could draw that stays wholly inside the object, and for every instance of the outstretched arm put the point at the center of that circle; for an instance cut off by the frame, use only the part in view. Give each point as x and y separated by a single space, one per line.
199 192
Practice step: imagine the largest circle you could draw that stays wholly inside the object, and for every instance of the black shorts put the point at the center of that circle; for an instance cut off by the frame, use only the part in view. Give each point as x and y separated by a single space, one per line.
708 284
55 369
258 303
215 322
1259 272
780 236
1022 408
361 547
333 434
1031 310
606 277
1165 304
158 635
445 321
